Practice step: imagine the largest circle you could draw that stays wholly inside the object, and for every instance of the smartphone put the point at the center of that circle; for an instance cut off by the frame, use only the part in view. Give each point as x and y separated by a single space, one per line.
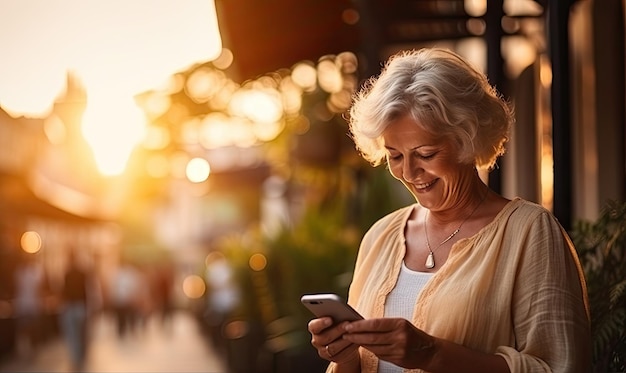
332 305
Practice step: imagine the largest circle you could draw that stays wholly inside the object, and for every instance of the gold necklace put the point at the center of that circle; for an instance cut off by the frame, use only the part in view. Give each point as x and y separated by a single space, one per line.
430 260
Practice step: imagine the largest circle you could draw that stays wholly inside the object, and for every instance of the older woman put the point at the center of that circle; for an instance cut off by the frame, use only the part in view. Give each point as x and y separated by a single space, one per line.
464 280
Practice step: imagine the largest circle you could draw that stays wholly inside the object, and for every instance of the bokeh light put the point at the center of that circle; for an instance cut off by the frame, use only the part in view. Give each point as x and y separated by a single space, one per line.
476 8
198 170
194 287
258 105
258 262
203 84
235 329
224 60
215 131
31 242
329 75
305 76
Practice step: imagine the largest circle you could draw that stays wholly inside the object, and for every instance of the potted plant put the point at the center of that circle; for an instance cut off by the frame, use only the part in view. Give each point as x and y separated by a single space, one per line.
601 246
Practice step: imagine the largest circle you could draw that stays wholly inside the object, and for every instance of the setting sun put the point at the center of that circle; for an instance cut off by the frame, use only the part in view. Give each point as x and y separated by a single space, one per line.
113 126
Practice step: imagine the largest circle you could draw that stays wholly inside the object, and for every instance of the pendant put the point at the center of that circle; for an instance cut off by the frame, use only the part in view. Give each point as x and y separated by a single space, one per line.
430 261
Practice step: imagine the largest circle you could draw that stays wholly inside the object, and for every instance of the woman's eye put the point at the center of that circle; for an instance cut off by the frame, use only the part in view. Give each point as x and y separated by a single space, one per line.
422 155
395 157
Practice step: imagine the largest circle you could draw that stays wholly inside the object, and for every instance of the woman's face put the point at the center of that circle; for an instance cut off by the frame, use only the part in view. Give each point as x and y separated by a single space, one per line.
426 164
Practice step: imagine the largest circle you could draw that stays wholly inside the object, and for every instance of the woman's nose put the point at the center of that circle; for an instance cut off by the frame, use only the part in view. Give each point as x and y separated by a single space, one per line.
410 168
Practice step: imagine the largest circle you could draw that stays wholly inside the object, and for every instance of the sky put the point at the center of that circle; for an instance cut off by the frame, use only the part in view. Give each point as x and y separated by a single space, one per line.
116 47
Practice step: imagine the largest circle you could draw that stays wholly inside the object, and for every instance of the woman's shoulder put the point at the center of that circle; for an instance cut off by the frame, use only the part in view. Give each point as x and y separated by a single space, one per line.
520 212
522 208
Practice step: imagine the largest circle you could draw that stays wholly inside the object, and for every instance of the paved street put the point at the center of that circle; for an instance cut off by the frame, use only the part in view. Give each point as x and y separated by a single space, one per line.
180 348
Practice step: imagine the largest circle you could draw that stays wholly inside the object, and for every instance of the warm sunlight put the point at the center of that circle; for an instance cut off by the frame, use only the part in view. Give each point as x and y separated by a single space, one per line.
112 125
116 48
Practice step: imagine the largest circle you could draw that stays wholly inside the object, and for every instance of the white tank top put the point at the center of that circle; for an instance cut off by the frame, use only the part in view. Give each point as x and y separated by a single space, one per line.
401 303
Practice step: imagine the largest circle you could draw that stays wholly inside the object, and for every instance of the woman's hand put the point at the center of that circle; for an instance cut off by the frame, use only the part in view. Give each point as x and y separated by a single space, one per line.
392 339
327 339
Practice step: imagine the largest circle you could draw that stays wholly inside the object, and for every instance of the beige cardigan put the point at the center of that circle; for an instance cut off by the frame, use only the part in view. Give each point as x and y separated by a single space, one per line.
515 289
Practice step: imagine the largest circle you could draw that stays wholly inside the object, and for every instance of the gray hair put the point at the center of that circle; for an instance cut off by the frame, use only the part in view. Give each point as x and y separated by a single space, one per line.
441 91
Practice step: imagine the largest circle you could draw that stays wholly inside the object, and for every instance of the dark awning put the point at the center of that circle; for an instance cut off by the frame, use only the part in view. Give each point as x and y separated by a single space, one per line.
18 200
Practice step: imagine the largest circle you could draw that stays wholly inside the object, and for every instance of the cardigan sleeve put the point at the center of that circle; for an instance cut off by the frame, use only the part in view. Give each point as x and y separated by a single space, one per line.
549 306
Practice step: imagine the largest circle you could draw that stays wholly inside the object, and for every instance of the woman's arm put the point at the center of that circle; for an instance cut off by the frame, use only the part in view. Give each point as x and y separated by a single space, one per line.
549 306
398 341
451 357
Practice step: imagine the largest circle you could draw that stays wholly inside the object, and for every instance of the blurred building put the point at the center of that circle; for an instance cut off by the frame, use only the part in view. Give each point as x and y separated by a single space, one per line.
48 204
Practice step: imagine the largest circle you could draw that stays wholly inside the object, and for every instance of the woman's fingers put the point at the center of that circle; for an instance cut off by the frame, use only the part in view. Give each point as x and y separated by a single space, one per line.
339 351
326 338
394 340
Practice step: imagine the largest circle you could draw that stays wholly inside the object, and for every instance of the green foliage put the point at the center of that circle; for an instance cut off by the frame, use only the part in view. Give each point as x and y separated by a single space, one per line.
315 255
602 249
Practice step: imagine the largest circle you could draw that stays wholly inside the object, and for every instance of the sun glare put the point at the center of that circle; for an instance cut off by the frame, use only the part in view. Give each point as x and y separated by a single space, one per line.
113 126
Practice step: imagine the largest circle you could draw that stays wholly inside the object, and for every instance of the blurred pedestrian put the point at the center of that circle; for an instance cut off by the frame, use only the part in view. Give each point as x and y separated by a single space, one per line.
163 283
74 313
125 296
29 279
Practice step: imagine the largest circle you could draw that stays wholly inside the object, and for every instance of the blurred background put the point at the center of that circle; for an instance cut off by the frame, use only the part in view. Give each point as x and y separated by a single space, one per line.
193 155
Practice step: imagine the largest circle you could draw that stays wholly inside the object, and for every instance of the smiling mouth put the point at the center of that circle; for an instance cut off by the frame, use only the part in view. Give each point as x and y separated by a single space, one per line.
425 185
